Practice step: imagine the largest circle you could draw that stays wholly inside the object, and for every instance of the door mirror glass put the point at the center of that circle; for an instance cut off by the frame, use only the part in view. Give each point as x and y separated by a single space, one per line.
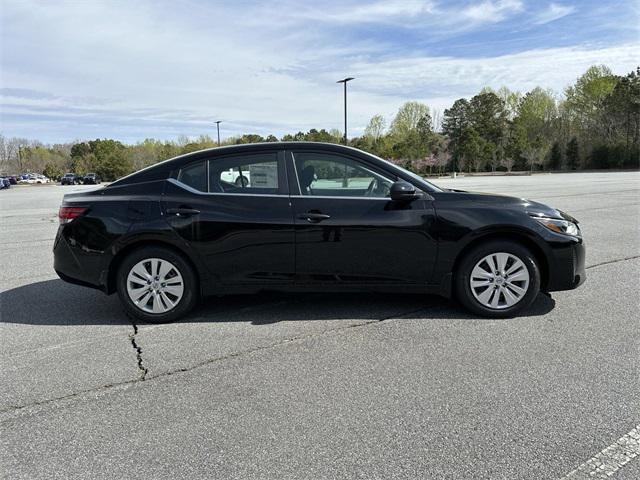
402 191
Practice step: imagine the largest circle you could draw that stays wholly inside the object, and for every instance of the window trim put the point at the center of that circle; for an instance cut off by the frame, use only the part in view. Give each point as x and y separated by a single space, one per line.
339 197
184 186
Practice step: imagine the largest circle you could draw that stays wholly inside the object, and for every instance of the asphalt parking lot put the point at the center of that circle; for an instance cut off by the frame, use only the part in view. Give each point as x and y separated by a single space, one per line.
324 386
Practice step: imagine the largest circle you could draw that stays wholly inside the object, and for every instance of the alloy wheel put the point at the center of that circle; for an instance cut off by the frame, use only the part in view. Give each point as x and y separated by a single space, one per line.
155 285
499 280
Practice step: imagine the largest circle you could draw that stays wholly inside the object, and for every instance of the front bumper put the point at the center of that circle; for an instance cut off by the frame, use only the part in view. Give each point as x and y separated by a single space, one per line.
567 267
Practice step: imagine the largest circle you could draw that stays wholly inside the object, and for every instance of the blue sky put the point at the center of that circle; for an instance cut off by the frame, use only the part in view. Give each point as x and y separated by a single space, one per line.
81 69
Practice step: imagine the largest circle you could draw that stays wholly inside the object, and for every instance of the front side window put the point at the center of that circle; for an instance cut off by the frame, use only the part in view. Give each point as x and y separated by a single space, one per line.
327 174
251 174
194 175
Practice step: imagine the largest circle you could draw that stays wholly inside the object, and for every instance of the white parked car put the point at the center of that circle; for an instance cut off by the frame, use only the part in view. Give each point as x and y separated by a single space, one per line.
37 178
258 175
233 176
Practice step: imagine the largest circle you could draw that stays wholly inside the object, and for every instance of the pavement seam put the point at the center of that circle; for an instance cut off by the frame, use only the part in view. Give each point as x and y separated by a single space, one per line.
612 261
14 409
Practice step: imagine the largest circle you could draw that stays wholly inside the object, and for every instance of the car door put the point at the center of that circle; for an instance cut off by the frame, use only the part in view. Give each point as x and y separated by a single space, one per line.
242 231
348 231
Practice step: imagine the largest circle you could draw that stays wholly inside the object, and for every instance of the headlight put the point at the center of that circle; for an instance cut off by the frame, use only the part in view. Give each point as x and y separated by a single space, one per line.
559 226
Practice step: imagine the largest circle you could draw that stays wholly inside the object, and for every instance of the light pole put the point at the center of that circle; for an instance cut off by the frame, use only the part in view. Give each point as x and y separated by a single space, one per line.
345 80
218 127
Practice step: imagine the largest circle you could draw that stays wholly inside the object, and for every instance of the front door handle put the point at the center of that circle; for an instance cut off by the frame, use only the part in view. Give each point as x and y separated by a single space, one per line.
182 211
312 217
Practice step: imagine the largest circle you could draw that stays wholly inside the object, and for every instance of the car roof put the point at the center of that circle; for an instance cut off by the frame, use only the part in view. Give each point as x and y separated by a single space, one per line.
161 169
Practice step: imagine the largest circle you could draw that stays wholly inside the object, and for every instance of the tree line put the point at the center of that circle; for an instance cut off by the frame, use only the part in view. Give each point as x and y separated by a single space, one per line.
594 125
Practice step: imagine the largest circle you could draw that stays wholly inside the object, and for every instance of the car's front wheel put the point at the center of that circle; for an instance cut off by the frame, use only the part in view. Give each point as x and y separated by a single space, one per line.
156 285
498 279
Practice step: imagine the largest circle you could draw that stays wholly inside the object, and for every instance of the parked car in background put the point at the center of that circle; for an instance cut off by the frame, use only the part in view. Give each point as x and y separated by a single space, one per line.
313 217
12 179
91 179
37 178
70 179
5 182
236 177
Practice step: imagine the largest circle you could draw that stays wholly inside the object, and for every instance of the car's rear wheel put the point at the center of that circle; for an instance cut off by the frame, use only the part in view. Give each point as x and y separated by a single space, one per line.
498 279
156 285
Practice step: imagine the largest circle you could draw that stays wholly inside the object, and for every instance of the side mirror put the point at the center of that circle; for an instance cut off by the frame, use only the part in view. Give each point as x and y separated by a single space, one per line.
402 191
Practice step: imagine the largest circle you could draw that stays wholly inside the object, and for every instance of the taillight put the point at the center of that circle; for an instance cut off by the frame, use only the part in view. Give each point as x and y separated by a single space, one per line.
66 214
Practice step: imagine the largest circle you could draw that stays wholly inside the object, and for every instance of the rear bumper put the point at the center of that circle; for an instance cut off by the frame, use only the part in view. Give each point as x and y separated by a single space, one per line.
567 267
74 265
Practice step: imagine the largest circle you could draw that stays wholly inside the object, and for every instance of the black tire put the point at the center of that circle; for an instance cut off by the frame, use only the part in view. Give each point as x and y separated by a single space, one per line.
190 295
462 276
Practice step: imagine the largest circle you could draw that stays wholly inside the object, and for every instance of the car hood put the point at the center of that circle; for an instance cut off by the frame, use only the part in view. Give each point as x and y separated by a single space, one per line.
530 207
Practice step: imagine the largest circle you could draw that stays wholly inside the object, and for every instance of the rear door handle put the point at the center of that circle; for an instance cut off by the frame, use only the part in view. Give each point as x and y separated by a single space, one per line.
313 217
182 211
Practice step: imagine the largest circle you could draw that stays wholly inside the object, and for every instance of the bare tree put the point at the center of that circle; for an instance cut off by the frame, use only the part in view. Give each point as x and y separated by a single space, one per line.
11 155
532 155
508 162
375 128
443 157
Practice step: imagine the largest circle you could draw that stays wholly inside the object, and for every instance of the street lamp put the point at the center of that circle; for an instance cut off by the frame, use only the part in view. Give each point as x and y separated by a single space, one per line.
218 126
345 80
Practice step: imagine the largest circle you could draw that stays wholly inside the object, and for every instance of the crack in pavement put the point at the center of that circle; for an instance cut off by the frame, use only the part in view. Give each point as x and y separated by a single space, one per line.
143 371
13 410
141 368
617 260
143 376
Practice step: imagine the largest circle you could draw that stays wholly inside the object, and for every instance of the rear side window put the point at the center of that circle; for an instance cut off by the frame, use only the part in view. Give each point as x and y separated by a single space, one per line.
194 175
250 174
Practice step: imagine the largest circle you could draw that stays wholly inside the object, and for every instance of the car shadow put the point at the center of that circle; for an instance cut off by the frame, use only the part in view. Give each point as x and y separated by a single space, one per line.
54 302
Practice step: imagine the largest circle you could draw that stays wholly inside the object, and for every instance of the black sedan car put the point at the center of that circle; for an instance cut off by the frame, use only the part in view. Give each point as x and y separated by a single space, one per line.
308 217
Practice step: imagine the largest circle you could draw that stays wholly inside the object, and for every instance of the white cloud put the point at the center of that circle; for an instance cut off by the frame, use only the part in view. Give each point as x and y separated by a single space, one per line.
381 11
145 71
414 14
438 81
492 11
553 12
